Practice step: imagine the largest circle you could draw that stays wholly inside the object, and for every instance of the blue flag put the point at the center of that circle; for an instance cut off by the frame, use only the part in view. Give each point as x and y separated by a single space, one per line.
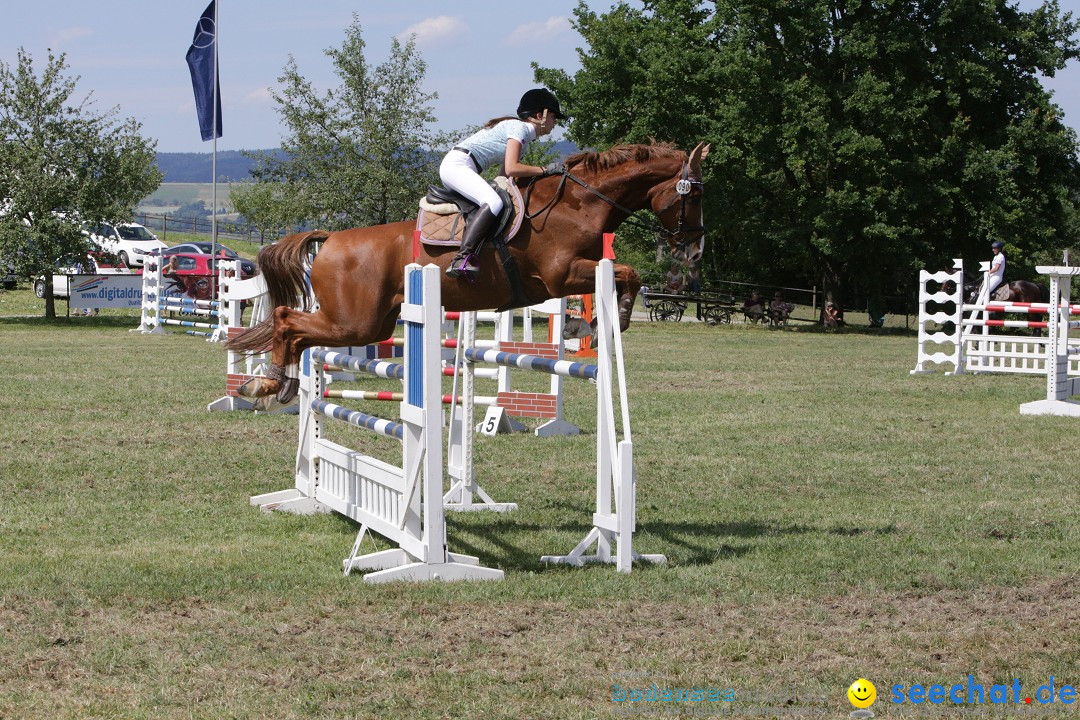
200 60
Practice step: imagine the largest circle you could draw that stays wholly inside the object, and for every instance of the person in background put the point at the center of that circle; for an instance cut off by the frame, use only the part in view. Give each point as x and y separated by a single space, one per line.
780 309
674 279
754 308
832 315
997 269
693 280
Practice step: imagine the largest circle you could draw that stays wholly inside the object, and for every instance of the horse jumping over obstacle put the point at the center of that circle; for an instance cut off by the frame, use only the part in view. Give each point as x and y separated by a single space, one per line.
356 276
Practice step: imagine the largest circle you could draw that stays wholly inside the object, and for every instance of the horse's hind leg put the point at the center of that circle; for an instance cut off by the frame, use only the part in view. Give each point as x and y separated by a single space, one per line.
294 332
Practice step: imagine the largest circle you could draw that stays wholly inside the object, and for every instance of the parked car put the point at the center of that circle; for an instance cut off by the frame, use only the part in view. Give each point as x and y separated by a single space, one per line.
130 242
247 267
190 274
99 264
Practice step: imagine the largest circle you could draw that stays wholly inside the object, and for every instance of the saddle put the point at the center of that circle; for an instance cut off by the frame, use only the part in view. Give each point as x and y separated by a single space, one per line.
444 213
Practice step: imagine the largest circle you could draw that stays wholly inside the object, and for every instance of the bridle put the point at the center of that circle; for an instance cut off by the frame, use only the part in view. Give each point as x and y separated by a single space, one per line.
683 187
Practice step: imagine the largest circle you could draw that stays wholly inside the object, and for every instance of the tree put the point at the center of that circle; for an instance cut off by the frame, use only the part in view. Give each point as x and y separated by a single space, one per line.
359 154
62 164
853 140
192 209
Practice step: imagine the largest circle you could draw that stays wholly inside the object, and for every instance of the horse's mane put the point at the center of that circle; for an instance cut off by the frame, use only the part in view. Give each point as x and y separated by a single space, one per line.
619 154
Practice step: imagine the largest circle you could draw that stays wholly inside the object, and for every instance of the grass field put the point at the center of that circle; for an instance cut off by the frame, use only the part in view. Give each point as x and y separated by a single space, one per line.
175 194
825 515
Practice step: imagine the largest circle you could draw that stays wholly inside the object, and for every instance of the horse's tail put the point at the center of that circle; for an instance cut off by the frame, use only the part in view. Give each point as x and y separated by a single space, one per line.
1044 292
283 269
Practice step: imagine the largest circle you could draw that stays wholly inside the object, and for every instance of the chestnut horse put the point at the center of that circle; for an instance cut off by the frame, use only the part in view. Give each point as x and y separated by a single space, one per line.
357 275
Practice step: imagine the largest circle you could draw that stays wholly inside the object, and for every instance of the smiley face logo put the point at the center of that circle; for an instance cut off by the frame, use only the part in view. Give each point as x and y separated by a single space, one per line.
862 693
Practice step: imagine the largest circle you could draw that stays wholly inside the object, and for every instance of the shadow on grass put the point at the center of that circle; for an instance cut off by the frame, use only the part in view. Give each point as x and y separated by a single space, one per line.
506 541
851 330
75 321
687 542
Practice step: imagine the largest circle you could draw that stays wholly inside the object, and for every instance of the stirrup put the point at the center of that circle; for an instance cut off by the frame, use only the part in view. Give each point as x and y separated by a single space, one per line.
463 265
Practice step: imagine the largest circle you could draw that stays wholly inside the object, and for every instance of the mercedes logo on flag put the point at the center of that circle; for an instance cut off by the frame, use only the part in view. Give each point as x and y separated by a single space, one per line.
204 33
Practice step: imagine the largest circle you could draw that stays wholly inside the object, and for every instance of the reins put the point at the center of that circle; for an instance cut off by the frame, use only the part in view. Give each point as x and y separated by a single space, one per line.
682 189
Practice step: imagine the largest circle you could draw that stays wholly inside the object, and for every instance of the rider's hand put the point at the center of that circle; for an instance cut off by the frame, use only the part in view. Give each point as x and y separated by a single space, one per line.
555 168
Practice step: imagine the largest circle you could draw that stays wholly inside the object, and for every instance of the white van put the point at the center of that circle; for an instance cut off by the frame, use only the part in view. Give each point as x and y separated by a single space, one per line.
130 242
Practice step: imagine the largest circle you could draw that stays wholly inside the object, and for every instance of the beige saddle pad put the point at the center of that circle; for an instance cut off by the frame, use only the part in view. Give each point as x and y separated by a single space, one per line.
444 225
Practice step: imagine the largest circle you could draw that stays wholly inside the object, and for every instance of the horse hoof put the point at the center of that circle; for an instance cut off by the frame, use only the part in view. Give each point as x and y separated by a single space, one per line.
267 404
251 389
288 390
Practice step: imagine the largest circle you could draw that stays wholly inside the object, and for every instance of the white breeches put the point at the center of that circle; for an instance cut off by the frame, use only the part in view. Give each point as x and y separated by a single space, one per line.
458 172
994 282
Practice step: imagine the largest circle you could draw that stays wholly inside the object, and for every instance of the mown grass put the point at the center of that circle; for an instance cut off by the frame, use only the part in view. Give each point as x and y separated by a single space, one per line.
825 516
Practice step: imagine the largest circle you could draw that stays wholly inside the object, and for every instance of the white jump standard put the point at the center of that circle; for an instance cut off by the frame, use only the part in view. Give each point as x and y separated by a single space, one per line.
1060 388
962 342
156 301
403 504
614 519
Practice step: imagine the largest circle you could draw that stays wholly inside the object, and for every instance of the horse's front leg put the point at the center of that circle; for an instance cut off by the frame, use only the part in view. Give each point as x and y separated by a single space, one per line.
582 279
627 286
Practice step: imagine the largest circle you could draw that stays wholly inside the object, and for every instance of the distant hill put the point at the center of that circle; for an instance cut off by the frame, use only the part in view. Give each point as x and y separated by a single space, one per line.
234 165
197 167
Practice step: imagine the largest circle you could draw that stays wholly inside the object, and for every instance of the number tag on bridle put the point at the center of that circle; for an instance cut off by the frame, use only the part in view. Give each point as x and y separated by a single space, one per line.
683 187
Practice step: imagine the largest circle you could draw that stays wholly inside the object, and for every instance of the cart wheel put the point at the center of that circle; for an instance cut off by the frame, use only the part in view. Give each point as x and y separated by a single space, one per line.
666 310
718 316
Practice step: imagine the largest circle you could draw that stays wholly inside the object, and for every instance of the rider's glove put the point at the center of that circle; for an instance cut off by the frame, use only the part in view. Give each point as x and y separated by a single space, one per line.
555 168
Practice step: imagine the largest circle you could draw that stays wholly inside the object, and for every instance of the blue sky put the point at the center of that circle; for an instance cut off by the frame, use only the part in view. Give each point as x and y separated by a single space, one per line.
130 53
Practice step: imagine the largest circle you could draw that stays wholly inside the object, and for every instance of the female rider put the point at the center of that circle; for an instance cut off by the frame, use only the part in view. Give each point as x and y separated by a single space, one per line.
997 269
500 140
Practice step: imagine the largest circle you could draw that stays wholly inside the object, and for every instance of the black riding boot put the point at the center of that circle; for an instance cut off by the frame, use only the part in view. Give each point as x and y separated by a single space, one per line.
481 225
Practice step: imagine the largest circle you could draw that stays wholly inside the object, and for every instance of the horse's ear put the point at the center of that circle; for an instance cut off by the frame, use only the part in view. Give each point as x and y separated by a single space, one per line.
698 154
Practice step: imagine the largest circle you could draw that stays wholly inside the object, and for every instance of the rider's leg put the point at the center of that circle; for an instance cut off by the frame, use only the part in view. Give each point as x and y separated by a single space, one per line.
480 226
458 173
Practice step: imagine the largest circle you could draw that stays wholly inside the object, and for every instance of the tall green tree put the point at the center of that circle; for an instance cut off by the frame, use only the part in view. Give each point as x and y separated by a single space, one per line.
853 140
359 154
62 164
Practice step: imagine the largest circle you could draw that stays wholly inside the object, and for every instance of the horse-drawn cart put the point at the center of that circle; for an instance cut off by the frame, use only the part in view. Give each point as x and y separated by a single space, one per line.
712 308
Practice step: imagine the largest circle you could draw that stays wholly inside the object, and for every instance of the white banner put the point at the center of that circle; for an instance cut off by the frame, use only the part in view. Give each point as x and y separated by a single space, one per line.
105 291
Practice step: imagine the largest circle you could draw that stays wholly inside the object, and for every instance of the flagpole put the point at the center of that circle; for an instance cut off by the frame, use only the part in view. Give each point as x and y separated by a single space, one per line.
213 162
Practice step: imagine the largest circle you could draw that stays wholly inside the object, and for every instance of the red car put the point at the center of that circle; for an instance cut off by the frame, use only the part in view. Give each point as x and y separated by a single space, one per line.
191 274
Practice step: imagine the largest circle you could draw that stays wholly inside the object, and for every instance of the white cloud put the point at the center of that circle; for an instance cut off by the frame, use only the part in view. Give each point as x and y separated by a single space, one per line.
528 34
433 31
62 37
259 96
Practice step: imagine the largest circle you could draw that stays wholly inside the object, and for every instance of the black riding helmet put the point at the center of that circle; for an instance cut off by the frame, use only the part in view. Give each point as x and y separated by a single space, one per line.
536 100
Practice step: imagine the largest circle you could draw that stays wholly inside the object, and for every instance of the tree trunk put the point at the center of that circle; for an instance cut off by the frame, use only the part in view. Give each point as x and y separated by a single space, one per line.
50 301
832 287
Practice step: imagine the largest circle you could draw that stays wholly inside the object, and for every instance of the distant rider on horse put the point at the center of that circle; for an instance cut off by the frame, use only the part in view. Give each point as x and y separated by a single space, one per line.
500 140
997 269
